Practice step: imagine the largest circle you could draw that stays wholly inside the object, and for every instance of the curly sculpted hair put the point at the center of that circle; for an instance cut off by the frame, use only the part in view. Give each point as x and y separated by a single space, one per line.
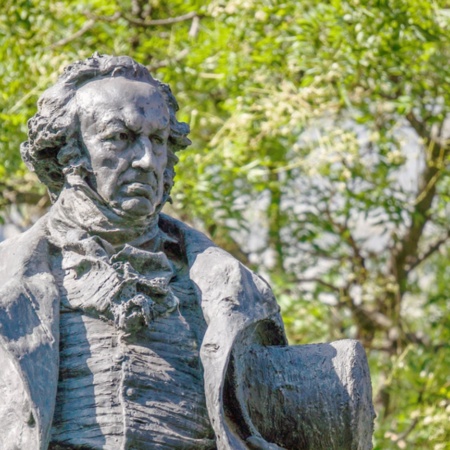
54 148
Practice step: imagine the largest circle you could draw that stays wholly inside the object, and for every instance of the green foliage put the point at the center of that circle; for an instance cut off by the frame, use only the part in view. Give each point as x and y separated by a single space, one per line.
320 127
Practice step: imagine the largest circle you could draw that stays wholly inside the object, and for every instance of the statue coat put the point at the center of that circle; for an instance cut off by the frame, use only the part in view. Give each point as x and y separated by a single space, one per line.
238 306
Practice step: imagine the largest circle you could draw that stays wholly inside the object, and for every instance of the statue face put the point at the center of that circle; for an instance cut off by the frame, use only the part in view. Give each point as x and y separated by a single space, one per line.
124 126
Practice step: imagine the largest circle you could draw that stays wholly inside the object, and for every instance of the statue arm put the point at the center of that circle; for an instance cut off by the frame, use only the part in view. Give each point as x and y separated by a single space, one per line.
29 340
240 310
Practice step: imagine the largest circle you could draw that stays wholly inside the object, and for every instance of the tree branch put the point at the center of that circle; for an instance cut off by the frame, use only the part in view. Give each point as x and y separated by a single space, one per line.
86 27
319 281
345 233
113 18
195 26
405 256
167 62
160 22
417 125
432 249
146 23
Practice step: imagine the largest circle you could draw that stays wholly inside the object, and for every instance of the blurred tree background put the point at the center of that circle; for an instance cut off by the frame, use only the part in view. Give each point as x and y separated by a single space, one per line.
320 158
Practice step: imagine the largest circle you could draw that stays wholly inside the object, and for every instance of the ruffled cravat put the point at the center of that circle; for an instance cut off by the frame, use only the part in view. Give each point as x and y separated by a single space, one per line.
126 285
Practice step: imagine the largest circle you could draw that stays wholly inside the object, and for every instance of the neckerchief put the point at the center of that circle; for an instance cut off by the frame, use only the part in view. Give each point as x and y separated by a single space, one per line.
124 284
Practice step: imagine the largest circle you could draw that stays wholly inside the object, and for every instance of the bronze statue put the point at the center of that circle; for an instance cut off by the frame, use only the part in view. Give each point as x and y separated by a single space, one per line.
122 328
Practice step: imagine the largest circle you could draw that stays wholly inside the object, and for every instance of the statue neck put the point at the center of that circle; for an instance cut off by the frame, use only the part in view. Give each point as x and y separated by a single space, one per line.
78 206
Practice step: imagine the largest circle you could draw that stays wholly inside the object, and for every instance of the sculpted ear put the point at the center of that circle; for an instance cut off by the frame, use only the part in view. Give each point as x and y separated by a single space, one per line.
74 158
69 153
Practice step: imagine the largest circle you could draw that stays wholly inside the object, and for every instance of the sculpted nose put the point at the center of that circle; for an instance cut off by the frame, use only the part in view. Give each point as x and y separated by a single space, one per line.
144 158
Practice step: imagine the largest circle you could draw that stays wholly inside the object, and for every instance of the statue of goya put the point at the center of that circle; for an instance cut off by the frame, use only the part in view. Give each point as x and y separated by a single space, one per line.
123 328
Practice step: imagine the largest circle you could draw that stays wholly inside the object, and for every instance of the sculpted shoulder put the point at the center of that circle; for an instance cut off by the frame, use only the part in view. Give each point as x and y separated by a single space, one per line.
19 250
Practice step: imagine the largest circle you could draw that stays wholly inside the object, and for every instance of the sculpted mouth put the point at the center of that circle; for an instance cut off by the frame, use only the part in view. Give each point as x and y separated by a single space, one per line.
140 190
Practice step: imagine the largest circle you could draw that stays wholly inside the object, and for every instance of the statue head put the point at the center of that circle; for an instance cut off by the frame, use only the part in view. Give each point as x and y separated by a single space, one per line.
108 121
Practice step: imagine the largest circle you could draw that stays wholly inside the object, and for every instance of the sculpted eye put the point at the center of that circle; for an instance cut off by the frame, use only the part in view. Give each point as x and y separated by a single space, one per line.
157 139
116 137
